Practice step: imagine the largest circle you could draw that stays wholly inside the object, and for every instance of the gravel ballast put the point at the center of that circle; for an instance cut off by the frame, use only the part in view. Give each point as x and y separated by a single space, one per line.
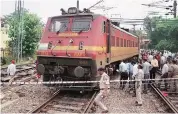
29 96
120 101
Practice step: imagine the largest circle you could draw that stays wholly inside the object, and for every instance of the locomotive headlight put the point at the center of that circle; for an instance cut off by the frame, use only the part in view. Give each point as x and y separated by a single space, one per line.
71 41
72 10
79 71
80 45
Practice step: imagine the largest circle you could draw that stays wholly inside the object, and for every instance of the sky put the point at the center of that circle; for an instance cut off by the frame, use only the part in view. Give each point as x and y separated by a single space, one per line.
47 8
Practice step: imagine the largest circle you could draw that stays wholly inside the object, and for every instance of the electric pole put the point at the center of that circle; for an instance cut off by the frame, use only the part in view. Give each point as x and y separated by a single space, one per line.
17 46
175 8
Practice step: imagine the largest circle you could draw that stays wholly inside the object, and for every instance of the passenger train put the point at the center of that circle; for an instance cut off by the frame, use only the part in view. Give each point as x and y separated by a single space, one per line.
75 44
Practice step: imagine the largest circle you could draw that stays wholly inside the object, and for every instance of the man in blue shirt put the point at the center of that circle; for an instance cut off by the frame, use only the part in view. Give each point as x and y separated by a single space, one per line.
130 72
146 69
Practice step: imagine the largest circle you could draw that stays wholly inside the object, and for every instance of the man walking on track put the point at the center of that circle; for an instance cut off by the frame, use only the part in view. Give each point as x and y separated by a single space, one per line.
104 85
138 85
11 69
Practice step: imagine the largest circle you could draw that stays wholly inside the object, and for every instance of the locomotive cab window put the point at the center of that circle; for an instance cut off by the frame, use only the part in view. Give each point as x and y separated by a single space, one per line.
59 24
81 24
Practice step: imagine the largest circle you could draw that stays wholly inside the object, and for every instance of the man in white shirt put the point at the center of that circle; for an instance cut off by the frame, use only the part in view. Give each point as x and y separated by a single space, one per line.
124 74
165 54
104 85
135 72
164 75
150 58
154 64
11 68
163 61
146 70
138 85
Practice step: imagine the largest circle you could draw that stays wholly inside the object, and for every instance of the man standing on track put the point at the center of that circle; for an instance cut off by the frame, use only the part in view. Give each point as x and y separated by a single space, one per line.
104 85
163 61
146 70
164 75
138 85
124 74
135 72
11 69
130 72
154 64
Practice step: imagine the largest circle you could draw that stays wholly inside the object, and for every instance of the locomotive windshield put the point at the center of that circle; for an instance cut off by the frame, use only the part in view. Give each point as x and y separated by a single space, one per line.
81 24
59 25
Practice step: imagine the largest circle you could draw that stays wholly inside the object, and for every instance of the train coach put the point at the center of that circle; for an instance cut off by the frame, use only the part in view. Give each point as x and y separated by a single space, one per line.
75 44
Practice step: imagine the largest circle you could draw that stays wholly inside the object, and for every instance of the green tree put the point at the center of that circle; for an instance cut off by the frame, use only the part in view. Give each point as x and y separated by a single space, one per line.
31 32
163 33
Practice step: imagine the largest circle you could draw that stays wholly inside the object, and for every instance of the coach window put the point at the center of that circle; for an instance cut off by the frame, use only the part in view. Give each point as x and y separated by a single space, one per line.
113 41
117 41
124 42
127 43
121 42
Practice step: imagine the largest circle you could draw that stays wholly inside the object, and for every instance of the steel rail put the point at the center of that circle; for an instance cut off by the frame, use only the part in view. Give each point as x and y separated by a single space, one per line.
171 106
37 109
2 68
90 103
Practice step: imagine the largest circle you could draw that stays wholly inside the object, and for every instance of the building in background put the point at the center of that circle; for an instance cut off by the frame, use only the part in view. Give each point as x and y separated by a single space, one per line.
144 41
4 38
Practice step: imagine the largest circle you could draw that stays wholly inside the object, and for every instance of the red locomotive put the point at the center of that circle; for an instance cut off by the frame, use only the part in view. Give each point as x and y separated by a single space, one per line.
76 43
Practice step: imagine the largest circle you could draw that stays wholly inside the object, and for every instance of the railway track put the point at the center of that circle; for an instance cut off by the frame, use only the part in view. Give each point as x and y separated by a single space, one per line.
66 102
23 71
170 99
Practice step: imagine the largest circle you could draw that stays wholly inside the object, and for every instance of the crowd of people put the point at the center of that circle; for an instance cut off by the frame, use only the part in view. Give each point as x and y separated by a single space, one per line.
140 73
150 62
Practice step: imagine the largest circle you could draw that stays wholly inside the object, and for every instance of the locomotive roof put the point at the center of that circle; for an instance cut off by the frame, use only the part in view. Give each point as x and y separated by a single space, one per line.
80 14
123 30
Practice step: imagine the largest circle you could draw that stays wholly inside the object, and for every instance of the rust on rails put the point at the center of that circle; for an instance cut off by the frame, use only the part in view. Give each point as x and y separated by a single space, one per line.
170 104
90 104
